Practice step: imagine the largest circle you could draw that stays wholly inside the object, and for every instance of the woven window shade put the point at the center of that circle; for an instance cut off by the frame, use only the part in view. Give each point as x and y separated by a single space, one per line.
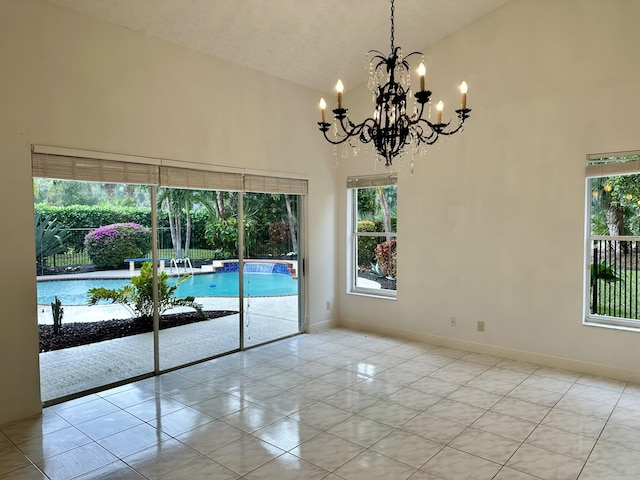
70 167
265 184
92 169
609 169
372 181
199 179
620 163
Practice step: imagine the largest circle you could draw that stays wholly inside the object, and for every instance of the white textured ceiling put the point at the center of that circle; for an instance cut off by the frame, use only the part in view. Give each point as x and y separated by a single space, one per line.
308 42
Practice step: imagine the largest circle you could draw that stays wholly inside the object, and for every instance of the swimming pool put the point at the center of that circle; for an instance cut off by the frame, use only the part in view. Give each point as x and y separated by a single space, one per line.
74 291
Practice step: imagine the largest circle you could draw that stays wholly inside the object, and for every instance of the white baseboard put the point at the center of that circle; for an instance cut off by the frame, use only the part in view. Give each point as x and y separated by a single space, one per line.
26 411
320 326
523 356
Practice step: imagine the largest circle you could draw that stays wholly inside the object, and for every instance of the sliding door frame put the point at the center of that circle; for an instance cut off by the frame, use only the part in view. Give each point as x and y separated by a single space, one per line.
83 165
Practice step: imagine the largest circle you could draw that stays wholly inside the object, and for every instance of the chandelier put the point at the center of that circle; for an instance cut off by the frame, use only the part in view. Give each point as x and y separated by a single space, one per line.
393 129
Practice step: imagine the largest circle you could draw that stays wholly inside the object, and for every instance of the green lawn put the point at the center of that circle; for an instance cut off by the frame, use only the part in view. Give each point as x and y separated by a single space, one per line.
621 298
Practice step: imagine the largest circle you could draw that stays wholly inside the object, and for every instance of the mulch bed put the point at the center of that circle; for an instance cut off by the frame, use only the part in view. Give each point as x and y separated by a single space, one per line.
83 333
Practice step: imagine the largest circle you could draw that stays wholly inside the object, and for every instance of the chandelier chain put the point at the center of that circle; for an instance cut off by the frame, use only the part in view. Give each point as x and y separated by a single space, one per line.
393 9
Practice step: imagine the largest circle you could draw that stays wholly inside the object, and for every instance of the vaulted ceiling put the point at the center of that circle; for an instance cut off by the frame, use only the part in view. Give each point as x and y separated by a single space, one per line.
307 42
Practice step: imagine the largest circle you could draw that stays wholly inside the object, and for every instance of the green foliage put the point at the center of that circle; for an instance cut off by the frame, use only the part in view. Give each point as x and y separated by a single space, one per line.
599 224
386 258
618 194
69 192
57 311
279 237
604 272
108 246
222 236
138 297
85 216
368 203
50 238
366 245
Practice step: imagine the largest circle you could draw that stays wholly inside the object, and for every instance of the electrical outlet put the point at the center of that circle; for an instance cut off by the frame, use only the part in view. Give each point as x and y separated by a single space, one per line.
452 322
481 326
328 305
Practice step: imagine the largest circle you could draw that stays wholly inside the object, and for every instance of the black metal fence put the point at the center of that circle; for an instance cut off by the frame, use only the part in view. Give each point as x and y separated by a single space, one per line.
77 255
614 282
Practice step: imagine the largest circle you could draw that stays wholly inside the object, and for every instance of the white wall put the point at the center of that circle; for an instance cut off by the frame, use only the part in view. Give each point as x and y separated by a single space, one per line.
71 81
491 224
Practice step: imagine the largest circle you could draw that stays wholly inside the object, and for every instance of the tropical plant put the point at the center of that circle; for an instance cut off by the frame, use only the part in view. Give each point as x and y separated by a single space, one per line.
57 311
50 239
604 272
110 245
138 296
179 203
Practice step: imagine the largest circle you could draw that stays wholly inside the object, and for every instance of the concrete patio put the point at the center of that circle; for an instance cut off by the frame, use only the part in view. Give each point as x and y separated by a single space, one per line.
72 370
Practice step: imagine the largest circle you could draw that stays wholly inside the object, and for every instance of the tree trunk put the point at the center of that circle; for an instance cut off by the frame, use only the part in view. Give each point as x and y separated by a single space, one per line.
386 214
187 239
219 205
292 225
615 224
175 228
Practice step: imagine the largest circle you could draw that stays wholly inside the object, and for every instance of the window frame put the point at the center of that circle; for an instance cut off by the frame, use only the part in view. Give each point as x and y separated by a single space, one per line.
353 185
598 166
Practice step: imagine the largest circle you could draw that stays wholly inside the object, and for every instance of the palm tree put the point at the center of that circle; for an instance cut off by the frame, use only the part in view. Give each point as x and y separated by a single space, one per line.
178 202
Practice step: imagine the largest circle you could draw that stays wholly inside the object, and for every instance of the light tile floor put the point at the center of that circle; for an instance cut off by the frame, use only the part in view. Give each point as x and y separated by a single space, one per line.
339 405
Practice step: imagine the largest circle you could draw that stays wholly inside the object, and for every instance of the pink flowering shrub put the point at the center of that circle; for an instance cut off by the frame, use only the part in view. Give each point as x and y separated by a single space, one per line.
109 245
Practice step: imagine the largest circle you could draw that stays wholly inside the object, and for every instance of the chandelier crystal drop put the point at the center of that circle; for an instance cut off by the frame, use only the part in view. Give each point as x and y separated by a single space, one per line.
395 124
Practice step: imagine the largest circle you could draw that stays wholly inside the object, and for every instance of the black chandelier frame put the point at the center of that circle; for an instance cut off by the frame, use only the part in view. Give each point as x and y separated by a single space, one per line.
391 129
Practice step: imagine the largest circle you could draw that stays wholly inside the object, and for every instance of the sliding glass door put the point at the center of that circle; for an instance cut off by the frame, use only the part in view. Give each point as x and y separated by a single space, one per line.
178 265
271 270
87 236
197 238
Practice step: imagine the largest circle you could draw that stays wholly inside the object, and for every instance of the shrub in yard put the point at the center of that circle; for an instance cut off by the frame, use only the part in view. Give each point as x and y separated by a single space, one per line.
366 245
138 297
109 245
279 237
222 236
386 257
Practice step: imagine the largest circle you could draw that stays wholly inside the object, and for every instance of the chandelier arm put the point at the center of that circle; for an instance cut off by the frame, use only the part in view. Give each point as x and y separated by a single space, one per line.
421 134
353 130
463 114
362 130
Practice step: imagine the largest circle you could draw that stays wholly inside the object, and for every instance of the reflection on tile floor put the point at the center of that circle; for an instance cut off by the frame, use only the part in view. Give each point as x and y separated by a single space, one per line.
86 367
339 405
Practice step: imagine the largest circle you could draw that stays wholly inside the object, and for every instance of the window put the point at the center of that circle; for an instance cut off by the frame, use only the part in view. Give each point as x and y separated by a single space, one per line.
612 253
372 251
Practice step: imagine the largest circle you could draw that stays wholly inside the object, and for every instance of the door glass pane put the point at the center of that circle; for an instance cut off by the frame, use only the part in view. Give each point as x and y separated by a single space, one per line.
85 232
198 296
271 268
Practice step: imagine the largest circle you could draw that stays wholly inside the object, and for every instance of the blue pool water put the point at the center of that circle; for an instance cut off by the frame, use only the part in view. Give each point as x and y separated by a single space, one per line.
74 292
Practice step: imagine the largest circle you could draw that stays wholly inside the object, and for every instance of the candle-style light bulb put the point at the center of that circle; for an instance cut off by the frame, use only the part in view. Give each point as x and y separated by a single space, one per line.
323 107
339 89
440 108
422 71
463 92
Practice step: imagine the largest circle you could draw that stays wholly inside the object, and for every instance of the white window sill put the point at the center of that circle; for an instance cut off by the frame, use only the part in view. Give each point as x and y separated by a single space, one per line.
364 292
612 323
